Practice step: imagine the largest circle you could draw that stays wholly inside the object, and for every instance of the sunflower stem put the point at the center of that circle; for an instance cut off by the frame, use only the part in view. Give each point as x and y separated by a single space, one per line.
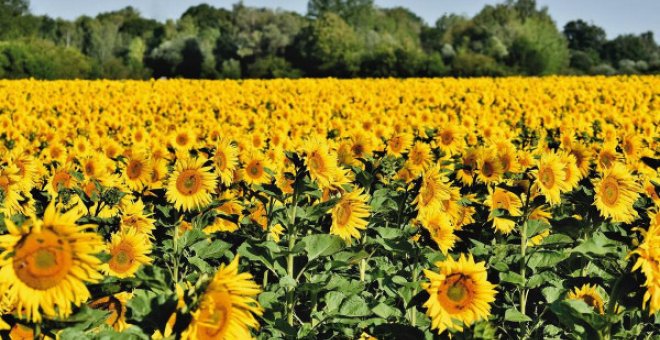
413 314
290 258
175 260
363 269
523 252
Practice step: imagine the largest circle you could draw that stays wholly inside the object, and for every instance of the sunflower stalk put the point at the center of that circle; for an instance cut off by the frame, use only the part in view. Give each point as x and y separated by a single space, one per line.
523 253
290 258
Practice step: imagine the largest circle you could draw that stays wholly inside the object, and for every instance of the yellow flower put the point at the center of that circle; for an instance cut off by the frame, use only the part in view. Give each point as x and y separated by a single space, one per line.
228 307
504 200
349 215
45 264
460 293
616 192
589 295
225 160
551 177
321 164
190 185
128 250
440 228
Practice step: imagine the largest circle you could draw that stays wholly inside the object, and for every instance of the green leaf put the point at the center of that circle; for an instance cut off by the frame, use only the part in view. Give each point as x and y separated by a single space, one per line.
384 311
557 239
332 301
322 245
389 233
514 315
210 250
200 264
551 294
598 244
354 306
545 258
288 282
512 277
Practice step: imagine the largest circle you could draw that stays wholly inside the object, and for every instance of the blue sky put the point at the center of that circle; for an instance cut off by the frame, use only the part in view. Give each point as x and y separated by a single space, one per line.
615 16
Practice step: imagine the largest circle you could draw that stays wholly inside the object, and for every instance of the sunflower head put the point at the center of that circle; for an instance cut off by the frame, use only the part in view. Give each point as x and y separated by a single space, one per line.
45 263
459 293
589 295
350 214
191 183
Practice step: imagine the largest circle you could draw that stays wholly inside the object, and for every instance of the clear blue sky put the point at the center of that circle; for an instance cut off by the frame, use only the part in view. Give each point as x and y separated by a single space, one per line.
615 16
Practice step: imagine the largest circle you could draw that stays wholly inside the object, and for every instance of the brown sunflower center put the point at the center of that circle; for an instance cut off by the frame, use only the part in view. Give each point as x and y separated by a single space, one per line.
343 213
428 194
189 182
447 137
4 183
215 316
42 260
547 177
610 189
315 161
61 178
456 293
220 160
255 169
90 169
182 139
358 150
395 144
500 200
487 169
134 169
123 257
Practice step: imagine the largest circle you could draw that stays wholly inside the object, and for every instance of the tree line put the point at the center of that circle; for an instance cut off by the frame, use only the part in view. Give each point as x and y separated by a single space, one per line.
336 38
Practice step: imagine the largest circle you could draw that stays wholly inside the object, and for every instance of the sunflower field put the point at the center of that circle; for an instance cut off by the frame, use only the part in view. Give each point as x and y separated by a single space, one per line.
358 209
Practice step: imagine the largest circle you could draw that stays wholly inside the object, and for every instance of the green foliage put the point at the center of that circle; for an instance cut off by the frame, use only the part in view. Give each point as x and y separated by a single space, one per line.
340 38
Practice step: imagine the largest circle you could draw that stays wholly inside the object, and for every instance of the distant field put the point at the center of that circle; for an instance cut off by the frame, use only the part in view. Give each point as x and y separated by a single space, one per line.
485 208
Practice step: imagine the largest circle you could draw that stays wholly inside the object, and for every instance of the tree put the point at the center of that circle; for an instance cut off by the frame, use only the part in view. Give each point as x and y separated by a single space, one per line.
582 36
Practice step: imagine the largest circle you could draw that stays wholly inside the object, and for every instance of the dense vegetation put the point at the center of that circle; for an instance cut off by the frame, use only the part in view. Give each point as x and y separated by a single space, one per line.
338 38
509 208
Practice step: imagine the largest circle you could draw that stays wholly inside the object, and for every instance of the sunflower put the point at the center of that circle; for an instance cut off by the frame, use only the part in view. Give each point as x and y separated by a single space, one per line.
128 250
136 172
504 200
607 157
441 229
460 293
582 156
183 139
648 261
190 185
615 193
433 191
571 170
158 173
589 295
450 139
45 263
468 166
116 306
254 171
225 160
27 168
507 155
228 307
349 215
60 179
490 167
10 195
551 177
420 157
320 162
224 212
399 144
